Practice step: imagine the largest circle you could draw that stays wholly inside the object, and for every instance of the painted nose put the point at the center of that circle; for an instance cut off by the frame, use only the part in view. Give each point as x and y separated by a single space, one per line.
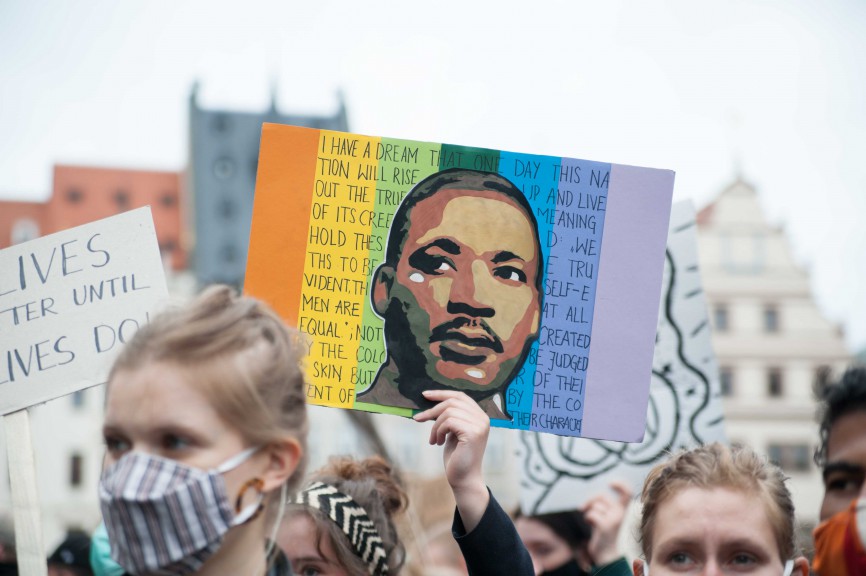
469 292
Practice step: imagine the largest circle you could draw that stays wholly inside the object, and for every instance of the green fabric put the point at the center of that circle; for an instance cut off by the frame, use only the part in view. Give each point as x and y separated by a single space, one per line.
618 567
100 554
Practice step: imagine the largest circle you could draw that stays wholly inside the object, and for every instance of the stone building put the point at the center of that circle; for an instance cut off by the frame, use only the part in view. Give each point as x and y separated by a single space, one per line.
223 160
772 342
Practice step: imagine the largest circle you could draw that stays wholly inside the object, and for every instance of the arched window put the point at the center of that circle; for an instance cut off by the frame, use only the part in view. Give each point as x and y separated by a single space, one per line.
23 230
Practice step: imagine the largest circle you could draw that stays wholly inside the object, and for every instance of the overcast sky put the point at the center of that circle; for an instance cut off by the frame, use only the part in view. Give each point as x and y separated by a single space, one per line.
776 87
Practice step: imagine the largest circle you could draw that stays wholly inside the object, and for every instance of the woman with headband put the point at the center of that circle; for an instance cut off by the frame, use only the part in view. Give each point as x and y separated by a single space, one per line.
341 523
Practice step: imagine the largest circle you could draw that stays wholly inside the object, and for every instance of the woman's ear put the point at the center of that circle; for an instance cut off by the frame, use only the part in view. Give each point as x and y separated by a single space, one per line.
283 459
801 567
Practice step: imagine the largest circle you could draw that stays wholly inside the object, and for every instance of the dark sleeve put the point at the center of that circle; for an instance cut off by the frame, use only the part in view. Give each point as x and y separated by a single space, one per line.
493 547
618 567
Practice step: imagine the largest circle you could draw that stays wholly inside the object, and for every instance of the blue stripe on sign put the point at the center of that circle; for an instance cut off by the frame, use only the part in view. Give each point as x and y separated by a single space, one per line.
570 290
534 175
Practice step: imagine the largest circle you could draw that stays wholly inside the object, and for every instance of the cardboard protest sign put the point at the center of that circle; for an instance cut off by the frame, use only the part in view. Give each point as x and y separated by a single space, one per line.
529 282
684 408
68 301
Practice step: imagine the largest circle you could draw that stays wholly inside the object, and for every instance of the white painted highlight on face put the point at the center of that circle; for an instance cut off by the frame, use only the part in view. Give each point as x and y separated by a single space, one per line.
416 277
475 373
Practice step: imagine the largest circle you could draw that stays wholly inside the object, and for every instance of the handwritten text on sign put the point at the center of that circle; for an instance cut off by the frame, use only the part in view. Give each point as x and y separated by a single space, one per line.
68 302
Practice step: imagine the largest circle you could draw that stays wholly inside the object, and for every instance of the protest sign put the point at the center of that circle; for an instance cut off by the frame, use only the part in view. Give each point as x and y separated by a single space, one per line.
684 407
529 282
68 301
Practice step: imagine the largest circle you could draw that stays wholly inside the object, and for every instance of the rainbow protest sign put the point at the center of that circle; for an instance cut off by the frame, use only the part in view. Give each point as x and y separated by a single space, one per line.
530 282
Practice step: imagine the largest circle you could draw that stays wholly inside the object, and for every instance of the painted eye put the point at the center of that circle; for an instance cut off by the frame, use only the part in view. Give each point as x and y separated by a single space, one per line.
431 264
510 273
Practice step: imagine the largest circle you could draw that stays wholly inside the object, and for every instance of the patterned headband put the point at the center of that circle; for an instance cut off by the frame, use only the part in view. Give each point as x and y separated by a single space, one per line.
352 519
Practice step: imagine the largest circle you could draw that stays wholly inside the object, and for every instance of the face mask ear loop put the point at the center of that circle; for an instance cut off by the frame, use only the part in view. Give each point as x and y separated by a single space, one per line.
280 513
236 460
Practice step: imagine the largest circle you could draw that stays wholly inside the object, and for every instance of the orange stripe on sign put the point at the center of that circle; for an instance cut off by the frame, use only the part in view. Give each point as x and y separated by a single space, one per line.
281 217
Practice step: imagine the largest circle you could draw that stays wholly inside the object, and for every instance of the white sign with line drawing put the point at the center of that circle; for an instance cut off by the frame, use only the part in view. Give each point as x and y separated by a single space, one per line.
560 473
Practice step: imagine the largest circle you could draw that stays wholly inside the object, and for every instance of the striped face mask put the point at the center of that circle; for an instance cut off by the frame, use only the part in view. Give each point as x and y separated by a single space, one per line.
164 517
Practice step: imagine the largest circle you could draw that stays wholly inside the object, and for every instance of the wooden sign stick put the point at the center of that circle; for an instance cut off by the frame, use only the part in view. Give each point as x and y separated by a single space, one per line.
25 501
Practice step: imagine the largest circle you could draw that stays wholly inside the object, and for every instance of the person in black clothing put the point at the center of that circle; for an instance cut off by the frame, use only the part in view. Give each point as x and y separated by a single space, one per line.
317 540
578 542
72 556
483 530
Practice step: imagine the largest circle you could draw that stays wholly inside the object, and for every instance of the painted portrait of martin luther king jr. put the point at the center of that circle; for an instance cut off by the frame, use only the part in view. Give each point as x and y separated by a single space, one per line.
459 291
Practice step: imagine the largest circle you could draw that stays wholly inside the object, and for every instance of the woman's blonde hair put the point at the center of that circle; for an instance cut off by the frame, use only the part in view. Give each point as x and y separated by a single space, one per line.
373 484
238 352
719 466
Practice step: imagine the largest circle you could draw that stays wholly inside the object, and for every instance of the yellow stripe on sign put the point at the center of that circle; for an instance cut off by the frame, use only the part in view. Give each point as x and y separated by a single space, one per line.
337 263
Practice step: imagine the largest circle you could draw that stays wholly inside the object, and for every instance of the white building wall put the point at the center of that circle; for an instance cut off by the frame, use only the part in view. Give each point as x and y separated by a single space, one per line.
747 266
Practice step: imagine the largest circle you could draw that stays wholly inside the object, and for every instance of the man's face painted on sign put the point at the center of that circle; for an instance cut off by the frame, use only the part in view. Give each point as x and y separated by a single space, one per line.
462 306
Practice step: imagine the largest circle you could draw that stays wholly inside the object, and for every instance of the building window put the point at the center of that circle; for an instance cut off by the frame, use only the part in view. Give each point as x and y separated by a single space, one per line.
823 375
74 195
726 381
24 230
226 208
223 168
121 199
790 457
771 318
168 199
775 385
229 253
168 246
76 470
78 399
720 317
221 123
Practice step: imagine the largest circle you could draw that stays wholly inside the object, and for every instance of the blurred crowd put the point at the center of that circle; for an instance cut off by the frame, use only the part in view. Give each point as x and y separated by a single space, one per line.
206 429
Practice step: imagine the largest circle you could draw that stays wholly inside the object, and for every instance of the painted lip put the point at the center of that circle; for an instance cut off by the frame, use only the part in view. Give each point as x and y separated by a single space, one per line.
466 337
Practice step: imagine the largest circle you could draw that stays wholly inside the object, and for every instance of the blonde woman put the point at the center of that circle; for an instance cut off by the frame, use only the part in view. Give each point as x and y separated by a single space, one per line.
717 510
205 430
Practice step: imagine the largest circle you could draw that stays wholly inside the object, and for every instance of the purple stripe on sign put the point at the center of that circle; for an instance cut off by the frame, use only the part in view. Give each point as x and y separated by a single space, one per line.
570 296
630 277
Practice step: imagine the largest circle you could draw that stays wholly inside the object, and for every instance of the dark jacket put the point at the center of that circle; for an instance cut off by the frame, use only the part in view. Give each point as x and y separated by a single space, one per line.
493 547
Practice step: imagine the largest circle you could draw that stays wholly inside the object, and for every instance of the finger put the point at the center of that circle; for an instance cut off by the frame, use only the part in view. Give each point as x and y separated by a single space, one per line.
441 395
446 398
592 502
433 413
623 492
455 420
